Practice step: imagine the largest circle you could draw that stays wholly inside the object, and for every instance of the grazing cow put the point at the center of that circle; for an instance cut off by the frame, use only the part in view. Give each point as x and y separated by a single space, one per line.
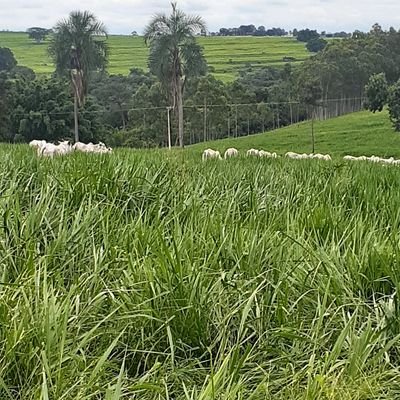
37 144
263 153
210 153
325 157
253 152
92 148
50 149
296 156
231 152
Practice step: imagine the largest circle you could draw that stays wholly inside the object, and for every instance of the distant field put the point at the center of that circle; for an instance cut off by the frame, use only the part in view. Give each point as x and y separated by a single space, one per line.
361 133
227 55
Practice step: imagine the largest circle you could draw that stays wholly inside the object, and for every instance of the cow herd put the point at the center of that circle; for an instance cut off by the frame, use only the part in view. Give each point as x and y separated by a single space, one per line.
232 152
46 149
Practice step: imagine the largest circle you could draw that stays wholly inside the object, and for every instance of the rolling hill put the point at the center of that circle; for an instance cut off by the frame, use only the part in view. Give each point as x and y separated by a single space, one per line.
226 55
361 133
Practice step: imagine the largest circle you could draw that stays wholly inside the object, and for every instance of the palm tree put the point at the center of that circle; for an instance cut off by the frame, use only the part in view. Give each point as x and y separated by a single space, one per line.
77 48
174 54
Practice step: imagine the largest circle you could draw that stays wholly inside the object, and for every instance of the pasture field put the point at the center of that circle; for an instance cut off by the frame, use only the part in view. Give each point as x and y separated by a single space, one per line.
152 275
360 133
225 54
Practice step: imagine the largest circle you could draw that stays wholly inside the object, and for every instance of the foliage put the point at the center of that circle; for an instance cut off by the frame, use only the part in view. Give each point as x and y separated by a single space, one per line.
7 59
42 109
310 91
305 35
316 45
77 44
21 72
251 30
38 34
114 93
394 105
377 92
4 107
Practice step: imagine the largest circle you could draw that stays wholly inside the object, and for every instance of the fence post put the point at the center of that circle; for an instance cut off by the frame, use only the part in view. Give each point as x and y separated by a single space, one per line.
169 127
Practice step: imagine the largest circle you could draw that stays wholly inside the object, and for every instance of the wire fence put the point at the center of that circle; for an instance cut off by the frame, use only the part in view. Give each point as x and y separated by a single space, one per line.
204 122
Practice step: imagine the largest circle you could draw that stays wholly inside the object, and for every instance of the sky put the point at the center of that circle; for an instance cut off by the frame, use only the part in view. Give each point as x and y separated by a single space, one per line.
125 16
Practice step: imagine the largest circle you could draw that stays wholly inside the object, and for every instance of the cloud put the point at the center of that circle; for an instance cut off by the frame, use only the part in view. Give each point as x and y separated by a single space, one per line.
123 16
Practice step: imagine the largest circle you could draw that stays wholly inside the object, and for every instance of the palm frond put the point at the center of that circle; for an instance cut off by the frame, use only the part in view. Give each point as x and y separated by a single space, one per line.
78 44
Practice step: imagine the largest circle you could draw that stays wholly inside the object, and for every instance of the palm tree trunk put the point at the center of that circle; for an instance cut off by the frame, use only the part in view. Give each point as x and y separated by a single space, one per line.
179 99
76 128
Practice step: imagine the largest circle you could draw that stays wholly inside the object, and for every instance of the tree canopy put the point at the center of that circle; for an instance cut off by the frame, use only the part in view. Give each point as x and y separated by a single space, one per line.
38 34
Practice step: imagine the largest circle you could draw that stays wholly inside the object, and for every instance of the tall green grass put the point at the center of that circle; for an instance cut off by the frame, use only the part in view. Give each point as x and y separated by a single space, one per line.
152 275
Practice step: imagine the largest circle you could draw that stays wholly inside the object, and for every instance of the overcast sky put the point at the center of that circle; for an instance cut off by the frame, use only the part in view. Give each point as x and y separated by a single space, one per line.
124 16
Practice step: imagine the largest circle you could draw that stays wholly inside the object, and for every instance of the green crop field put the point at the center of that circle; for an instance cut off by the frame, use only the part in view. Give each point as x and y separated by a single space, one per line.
152 275
361 133
225 54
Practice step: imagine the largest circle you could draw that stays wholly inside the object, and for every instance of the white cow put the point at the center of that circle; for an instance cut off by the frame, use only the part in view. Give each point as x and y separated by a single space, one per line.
37 144
267 154
296 156
253 152
210 153
263 153
349 158
51 150
387 160
91 148
325 157
231 152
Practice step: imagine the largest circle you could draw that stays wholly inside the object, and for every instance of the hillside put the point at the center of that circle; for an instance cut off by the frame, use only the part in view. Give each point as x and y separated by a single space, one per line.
361 133
227 55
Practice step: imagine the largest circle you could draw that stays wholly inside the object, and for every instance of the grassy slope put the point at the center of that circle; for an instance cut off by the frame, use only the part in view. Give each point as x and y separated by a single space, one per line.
226 55
360 133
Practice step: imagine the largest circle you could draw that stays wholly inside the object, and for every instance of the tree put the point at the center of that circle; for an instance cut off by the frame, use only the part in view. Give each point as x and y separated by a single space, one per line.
78 48
174 54
247 30
394 105
316 45
310 93
43 109
305 35
4 106
38 34
114 93
265 114
377 92
260 31
7 59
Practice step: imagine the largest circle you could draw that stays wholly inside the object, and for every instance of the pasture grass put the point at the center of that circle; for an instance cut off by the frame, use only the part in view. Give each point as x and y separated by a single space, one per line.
227 55
152 275
361 133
